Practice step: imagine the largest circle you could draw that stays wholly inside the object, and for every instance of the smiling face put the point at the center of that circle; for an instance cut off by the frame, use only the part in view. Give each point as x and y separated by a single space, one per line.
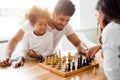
40 26
60 21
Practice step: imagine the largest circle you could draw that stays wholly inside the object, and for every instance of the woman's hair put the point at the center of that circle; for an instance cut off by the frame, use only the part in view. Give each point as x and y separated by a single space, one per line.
110 10
36 12
65 7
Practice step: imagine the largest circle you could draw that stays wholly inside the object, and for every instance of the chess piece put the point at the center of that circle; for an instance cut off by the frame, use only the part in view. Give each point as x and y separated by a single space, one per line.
59 54
48 60
90 60
87 61
84 62
51 60
64 67
64 59
69 67
94 71
73 66
69 57
79 63
80 58
45 60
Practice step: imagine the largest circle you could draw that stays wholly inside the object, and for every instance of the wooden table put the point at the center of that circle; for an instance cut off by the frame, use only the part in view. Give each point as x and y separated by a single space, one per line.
32 71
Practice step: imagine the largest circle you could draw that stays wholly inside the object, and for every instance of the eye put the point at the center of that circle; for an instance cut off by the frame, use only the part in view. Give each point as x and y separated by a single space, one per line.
67 21
40 24
61 19
45 24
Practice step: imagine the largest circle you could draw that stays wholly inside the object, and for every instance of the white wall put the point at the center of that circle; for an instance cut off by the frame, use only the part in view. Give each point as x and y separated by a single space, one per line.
84 19
87 13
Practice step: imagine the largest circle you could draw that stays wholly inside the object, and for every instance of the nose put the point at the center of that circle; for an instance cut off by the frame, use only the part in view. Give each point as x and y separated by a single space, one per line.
43 27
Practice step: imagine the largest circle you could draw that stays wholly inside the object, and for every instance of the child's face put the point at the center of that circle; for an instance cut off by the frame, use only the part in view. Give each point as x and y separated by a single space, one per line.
40 25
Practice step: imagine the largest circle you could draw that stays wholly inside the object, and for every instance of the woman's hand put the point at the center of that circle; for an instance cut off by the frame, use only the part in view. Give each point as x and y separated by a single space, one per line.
92 51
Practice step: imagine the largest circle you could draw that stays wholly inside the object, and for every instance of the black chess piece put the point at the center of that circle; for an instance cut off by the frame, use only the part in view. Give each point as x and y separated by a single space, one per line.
41 60
79 63
87 61
69 67
84 62
80 57
73 66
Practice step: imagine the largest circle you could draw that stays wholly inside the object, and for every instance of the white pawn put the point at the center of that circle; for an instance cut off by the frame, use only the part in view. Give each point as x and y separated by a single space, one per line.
94 71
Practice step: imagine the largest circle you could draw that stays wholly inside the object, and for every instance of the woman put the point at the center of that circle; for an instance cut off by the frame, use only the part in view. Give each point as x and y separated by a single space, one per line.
108 15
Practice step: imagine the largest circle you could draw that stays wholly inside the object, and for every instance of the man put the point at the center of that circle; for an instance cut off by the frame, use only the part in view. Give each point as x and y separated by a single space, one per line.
63 11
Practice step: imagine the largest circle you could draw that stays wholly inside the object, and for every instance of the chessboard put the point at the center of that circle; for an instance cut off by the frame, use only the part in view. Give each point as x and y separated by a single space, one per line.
68 65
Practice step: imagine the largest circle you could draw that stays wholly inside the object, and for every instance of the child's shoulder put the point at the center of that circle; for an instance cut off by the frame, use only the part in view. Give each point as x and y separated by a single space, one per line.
28 33
49 33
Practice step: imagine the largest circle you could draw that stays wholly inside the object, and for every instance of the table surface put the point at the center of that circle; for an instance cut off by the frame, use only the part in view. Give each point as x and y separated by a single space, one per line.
32 71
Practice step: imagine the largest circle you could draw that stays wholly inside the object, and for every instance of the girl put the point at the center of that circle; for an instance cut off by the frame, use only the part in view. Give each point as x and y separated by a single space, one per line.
37 43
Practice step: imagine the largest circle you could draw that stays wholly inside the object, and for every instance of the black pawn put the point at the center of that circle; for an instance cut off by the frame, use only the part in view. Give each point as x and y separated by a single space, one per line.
80 58
87 61
41 60
73 66
69 65
84 62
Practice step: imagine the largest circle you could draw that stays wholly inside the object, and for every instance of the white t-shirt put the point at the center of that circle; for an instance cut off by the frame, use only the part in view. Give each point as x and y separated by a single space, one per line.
57 35
42 45
111 50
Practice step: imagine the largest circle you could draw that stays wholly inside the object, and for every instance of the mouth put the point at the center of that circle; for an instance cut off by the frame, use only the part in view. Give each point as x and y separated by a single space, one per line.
59 27
42 31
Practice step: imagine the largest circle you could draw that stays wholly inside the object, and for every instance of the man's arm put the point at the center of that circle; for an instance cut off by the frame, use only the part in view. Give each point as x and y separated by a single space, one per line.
73 38
13 42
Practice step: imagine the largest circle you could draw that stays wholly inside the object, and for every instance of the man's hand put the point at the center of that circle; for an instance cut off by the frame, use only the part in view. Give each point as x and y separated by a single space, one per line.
6 62
82 48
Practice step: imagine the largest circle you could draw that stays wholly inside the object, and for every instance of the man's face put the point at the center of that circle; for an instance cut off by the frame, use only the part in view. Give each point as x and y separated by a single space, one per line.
60 21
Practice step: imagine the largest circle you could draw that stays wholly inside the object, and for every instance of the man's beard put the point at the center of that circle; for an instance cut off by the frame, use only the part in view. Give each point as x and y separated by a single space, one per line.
59 28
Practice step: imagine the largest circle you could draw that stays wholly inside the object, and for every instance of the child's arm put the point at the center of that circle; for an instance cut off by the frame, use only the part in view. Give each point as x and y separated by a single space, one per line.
32 53
5 63
19 63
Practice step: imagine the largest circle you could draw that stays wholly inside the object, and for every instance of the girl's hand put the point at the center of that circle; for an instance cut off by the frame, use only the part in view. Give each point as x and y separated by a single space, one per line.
19 63
32 53
6 62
